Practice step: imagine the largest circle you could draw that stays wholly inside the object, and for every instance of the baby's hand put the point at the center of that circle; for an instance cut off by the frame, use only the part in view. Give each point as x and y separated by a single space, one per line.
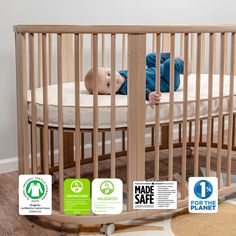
154 98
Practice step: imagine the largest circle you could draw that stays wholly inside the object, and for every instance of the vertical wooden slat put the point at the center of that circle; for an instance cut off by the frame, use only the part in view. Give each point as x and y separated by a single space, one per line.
192 52
171 108
203 65
214 53
33 105
60 120
103 50
91 50
95 105
185 114
197 120
81 56
50 51
45 103
113 111
182 45
124 41
209 120
22 112
220 115
77 104
40 66
50 59
231 128
225 53
157 111
136 111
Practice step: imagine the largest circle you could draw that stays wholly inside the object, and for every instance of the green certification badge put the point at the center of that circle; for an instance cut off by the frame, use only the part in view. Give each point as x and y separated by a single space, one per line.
77 196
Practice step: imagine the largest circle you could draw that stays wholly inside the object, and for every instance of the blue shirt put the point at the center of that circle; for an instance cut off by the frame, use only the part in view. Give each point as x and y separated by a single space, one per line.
151 74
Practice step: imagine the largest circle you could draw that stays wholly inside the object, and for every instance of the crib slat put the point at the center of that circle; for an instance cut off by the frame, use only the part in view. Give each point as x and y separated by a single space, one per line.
124 42
77 104
192 51
225 51
22 112
33 105
50 59
91 50
209 118
197 120
181 45
171 108
50 51
230 122
60 120
40 66
157 111
81 56
220 117
185 114
95 105
214 54
203 65
113 111
103 49
69 50
136 108
45 104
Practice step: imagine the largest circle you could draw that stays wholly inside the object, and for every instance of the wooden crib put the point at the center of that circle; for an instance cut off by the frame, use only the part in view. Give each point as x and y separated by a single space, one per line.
36 67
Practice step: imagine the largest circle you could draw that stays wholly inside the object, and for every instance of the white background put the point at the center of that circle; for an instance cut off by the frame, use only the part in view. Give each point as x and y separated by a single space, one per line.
88 12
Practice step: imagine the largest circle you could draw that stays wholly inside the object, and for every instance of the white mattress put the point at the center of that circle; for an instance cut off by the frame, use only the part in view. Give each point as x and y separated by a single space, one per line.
86 104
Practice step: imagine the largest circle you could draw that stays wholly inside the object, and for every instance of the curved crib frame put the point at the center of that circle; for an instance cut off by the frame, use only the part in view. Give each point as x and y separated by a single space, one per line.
70 49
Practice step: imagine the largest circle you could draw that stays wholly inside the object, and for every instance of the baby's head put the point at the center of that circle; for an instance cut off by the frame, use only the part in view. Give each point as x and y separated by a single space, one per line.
104 80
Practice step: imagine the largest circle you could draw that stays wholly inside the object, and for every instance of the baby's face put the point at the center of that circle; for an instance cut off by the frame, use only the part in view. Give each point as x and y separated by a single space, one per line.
104 84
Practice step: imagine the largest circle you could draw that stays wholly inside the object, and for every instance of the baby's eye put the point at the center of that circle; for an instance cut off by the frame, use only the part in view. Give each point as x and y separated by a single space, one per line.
108 73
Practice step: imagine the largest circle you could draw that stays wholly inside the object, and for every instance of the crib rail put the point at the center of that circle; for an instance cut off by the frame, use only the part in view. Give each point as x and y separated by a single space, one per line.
47 55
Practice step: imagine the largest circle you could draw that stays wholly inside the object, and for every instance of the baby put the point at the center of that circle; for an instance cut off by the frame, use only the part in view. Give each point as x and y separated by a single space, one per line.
121 77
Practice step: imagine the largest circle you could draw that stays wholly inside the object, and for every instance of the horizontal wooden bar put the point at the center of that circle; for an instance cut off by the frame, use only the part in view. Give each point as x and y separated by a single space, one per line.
139 29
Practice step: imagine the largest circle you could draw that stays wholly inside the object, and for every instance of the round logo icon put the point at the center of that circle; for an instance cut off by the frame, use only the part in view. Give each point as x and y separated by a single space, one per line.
35 189
203 189
76 186
107 187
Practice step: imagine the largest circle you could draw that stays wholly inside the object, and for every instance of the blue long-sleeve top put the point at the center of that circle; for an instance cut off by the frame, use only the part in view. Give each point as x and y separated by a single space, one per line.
151 74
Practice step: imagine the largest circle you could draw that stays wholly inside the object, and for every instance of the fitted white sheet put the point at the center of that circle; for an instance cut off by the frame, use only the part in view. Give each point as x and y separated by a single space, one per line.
86 104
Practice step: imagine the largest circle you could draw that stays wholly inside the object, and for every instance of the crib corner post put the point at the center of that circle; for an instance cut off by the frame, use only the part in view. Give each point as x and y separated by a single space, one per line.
21 96
136 111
